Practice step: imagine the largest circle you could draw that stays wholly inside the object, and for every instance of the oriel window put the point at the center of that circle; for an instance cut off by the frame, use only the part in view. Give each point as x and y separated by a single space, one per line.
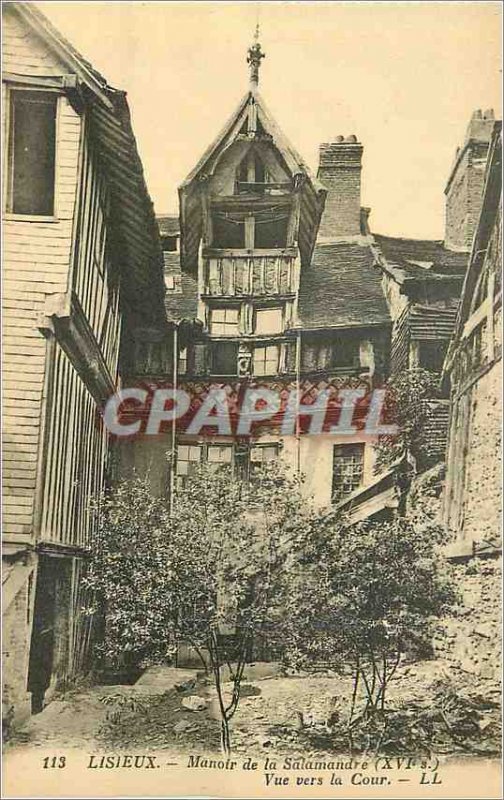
32 152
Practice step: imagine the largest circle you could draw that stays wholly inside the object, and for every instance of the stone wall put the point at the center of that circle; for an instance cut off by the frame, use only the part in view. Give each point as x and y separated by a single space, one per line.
482 489
16 631
471 638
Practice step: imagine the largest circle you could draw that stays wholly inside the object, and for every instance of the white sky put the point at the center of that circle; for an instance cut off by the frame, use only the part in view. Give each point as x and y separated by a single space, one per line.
404 77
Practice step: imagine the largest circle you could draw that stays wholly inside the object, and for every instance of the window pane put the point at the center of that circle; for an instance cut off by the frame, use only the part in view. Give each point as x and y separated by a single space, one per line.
228 232
348 466
261 453
220 453
224 358
269 320
271 233
188 457
33 150
345 353
224 321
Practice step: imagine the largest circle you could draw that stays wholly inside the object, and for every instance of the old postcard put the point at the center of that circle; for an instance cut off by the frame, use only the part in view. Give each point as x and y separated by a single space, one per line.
252 356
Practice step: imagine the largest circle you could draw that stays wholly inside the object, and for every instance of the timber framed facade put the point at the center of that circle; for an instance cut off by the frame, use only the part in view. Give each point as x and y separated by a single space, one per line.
82 264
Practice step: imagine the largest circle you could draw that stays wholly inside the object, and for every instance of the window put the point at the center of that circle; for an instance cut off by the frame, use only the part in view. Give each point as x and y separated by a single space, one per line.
268 320
251 171
348 467
266 360
169 244
188 458
228 232
224 321
431 355
170 282
270 231
260 455
220 456
182 361
32 153
224 358
345 353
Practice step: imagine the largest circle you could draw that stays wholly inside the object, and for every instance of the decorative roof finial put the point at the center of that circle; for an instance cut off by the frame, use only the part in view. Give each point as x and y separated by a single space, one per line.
254 57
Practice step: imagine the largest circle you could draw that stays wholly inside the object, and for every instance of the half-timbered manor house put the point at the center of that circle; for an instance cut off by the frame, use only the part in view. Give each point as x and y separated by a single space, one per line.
293 290
82 260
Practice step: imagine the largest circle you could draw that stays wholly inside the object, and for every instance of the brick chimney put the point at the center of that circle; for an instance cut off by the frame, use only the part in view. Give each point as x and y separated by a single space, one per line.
464 189
340 164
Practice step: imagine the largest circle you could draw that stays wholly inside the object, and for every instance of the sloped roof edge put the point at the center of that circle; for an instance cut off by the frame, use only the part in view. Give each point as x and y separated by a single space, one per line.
292 157
66 51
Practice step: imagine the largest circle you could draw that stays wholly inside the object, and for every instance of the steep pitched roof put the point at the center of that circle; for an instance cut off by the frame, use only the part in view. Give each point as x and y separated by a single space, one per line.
341 287
65 51
312 191
208 161
136 231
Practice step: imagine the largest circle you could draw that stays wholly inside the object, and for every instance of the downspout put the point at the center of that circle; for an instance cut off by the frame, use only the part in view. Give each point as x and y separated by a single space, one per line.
298 402
174 417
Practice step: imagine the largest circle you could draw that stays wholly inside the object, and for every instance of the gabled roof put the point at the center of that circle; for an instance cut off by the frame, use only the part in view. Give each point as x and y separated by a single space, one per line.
65 51
312 191
341 288
208 161
135 229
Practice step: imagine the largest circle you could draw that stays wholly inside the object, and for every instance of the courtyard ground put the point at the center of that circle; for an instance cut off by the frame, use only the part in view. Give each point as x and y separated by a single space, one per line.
431 707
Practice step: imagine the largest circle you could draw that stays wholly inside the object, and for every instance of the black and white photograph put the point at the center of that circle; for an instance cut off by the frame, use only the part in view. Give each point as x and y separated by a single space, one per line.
252 404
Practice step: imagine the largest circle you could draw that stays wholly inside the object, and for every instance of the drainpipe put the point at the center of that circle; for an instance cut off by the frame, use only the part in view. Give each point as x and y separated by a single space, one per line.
173 430
298 402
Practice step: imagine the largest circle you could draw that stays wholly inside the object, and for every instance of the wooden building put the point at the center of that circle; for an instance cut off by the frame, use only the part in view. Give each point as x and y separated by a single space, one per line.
82 263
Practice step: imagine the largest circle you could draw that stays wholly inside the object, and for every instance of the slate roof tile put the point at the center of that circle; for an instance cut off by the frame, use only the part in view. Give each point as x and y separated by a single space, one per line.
341 287
402 252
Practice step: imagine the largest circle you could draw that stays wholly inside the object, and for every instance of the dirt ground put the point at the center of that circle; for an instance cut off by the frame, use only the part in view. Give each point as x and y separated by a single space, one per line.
276 714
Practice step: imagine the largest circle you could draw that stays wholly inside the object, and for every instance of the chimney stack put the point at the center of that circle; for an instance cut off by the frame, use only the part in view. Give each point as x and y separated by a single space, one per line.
464 189
340 164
